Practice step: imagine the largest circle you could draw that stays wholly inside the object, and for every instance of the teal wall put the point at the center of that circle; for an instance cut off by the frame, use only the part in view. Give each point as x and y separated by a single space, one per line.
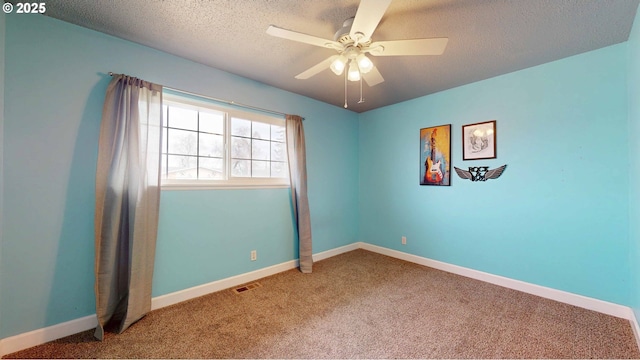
634 161
56 78
563 215
558 215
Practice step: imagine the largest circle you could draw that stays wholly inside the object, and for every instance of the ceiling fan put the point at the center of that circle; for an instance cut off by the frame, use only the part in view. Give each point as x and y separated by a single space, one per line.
353 42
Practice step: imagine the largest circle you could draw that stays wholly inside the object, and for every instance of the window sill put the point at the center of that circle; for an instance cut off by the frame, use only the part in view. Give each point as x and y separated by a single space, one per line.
221 185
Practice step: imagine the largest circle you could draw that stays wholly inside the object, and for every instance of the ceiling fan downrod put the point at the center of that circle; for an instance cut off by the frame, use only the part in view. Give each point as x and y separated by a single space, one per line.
345 89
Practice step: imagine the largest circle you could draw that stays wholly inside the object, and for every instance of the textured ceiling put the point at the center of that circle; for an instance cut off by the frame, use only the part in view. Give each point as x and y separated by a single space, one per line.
486 38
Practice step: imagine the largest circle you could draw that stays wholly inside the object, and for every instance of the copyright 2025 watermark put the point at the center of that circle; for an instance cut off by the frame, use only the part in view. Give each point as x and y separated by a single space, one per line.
25 8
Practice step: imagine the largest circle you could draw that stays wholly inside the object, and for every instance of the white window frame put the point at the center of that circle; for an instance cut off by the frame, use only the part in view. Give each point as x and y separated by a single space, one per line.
230 182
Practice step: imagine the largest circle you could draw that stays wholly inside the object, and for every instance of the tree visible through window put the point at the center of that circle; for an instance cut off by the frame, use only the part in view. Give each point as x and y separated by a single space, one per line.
257 149
203 141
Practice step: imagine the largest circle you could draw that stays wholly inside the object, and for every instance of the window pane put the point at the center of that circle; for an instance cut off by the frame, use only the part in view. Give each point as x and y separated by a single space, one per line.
182 142
212 122
183 118
241 168
164 167
260 150
261 131
164 140
240 127
165 108
182 167
240 148
207 142
211 168
211 145
260 168
278 151
277 133
279 170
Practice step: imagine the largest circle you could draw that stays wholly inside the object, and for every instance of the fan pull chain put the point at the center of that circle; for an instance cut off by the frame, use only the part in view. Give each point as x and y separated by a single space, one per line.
345 89
361 98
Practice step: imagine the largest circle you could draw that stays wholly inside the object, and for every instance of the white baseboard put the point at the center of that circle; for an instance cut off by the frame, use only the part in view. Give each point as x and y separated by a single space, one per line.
200 290
50 333
337 251
635 327
197 291
545 292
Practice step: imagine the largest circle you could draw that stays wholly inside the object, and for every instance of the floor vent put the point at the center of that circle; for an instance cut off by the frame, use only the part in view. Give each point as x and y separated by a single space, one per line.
245 288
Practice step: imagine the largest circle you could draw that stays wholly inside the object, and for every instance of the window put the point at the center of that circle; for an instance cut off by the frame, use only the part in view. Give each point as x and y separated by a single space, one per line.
206 145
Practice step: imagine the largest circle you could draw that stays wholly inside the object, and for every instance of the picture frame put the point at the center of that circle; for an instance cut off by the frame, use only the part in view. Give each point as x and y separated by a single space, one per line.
435 155
479 141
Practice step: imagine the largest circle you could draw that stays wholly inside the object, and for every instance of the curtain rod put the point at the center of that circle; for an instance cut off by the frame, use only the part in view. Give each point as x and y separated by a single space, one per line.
229 102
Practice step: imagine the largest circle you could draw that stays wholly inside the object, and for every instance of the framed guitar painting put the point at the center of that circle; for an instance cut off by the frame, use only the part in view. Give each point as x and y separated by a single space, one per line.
435 155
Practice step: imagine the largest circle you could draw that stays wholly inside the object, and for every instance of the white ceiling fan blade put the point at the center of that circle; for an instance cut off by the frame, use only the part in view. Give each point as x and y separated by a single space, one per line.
373 77
303 38
433 46
321 66
367 18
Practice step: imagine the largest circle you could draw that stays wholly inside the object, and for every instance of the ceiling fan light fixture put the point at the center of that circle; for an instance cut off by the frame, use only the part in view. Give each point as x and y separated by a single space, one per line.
353 44
364 63
354 72
338 65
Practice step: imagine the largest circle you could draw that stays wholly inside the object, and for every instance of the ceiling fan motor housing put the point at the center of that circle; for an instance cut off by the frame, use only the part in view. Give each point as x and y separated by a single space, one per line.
343 34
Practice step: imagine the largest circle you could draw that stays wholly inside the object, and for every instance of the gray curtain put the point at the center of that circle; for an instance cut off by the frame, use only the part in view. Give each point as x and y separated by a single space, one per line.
298 177
127 201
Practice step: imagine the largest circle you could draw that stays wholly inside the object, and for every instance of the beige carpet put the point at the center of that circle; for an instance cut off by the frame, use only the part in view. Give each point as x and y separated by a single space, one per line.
361 305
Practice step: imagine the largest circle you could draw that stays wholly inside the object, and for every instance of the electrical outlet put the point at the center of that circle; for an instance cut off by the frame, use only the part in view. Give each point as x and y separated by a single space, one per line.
254 255
404 240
